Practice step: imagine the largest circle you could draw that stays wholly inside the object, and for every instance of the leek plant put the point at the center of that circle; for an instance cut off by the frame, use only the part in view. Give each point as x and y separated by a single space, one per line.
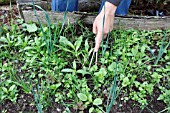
50 41
162 49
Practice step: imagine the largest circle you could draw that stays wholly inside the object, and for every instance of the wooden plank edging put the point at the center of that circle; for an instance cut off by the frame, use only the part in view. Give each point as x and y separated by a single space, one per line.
142 23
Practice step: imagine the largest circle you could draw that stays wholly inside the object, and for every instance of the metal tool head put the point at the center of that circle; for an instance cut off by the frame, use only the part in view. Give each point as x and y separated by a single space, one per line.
94 54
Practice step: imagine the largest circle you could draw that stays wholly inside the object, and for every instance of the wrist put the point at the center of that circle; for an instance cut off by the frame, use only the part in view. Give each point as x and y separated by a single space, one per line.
110 9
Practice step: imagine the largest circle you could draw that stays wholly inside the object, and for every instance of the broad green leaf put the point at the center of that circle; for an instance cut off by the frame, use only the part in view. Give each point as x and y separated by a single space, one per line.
143 48
125 82
91 109
2 97
45 29
55 86
64 40
136 83
101 75
67 70
106 55
156 75
5 89
19 42
86 45
78 43
89 97
40 75
97 101
37 41
129 54
74 65
161 97
12 88
103 71
82 96
93 68
31 28
135 50
3 39
83 72
112 67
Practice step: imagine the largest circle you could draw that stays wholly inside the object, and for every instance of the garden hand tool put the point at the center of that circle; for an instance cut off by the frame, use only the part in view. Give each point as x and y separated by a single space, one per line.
98 40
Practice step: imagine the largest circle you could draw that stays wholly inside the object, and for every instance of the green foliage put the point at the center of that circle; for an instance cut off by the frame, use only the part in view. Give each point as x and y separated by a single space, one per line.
97 101
82 96
128 65
31 28
165 95
8 91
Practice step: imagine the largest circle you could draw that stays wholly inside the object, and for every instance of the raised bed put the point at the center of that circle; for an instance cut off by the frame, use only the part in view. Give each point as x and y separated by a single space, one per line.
127 22
138 59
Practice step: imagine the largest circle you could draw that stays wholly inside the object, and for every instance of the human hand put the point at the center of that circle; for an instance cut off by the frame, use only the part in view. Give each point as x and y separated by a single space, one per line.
98 28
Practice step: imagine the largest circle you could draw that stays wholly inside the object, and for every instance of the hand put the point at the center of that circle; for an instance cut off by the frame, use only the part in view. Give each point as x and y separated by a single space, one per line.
108 23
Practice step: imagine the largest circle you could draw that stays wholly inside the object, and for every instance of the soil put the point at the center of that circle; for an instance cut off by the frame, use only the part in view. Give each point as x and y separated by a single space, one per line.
26 104
143 7
6 14
132 107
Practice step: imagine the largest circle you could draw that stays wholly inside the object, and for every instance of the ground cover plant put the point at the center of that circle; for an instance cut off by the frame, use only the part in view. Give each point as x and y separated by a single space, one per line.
139 60
42 69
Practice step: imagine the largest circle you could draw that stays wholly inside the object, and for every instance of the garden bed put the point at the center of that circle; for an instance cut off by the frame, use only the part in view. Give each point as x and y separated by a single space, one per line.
41 69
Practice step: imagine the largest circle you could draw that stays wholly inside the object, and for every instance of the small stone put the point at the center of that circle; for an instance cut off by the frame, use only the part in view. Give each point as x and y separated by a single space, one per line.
58 109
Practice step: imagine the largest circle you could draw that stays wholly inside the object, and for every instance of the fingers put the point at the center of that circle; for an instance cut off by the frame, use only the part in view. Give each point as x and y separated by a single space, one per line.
99 36
98 41
94 28
101 30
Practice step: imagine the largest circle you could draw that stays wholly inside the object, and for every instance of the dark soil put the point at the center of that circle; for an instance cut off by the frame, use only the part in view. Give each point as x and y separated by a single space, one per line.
6 14
143 7
25 103
130 106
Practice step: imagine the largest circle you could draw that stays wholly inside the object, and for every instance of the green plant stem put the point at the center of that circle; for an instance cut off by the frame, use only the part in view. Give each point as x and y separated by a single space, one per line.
113 90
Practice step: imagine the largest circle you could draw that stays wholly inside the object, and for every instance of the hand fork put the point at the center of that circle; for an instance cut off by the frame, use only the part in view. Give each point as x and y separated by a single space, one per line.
95 52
